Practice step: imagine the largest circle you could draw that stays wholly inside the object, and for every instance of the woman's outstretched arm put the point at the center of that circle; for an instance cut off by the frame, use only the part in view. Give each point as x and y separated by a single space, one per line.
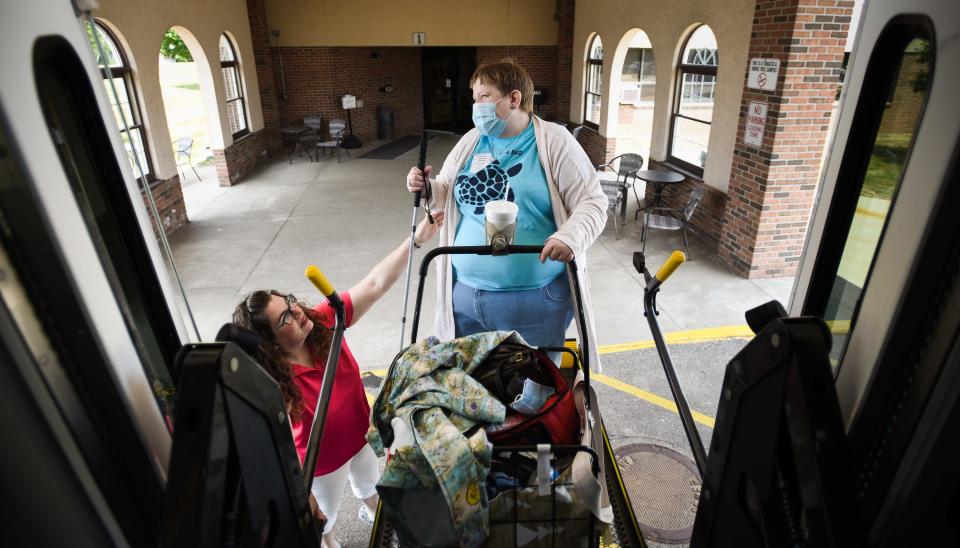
382 277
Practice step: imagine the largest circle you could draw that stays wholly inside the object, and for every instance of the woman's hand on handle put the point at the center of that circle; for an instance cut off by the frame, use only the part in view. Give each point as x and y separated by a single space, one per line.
415 178
556 250
427 230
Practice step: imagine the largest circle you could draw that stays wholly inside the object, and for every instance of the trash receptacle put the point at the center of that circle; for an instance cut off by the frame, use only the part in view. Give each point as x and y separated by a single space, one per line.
385 122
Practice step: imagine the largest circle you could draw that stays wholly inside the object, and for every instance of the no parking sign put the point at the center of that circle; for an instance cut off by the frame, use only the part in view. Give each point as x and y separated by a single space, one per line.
756 122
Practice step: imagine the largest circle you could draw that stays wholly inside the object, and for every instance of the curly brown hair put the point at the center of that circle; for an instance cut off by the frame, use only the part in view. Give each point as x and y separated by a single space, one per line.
251 313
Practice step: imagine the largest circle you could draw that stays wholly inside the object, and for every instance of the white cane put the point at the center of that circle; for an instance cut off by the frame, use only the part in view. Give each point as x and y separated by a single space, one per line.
413 235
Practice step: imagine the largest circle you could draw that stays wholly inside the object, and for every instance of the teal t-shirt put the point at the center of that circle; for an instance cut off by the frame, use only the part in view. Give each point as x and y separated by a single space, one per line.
494 162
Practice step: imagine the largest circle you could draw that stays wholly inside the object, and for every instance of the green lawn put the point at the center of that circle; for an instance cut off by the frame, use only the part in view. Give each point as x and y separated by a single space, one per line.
886 164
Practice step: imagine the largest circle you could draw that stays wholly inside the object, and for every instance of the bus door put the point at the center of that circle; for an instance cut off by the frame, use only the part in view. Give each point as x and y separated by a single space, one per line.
89 322
881 259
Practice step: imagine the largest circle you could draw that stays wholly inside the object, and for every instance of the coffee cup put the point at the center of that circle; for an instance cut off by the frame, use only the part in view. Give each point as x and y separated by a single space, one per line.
501 222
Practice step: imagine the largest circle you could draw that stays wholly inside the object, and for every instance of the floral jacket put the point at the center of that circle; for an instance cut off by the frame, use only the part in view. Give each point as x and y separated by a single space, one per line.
430 389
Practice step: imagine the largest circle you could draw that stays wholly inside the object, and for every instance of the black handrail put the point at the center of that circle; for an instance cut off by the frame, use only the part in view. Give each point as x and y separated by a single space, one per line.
509 250
650 311
326 388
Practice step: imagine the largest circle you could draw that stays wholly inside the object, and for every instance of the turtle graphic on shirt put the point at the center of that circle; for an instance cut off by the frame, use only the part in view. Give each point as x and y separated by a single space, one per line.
486 185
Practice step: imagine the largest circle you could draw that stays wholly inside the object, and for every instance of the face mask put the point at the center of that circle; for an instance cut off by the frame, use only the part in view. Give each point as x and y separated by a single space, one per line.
486 121
533 397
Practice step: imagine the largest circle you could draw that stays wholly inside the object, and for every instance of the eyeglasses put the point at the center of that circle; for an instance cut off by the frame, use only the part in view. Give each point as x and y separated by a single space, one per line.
287 316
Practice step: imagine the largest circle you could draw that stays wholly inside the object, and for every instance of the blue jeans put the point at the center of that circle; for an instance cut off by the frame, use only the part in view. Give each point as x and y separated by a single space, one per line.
541 316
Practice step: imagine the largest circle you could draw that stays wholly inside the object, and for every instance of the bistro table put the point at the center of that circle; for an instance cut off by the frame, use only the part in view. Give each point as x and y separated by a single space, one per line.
297 132
660 179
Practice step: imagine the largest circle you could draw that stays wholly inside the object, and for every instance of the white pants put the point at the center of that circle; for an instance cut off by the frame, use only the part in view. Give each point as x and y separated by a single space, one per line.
363 471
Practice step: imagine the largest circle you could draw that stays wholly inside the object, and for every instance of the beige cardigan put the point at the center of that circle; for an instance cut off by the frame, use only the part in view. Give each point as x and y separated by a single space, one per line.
579 210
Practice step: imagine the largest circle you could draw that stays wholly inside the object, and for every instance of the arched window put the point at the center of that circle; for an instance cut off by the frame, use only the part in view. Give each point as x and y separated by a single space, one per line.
125 101
638 78
693 106
594 88
233 87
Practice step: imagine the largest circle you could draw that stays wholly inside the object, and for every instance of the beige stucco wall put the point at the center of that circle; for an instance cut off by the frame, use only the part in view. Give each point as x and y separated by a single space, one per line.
140 27
667 25
392 23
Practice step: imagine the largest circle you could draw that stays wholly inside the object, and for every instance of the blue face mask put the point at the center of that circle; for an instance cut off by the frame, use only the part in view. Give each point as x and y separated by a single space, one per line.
532 398
486 121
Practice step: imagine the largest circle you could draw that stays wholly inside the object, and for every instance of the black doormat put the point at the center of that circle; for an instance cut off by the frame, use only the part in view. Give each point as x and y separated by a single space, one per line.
394 148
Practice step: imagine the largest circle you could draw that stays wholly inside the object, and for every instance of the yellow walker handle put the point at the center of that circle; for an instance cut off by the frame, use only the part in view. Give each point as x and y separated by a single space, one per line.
673 262
319 281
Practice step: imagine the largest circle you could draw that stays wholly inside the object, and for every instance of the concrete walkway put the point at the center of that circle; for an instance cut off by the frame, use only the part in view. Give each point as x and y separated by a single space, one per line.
263 232
344 217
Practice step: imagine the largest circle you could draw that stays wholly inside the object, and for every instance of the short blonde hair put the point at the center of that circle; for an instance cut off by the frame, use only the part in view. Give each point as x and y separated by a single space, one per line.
506 76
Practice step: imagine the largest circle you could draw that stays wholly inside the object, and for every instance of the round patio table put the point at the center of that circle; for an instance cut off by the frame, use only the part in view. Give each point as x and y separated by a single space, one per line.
297 132
660 179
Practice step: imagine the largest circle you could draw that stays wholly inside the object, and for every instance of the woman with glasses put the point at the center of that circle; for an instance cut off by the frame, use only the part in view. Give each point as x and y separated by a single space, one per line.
560 203
294 349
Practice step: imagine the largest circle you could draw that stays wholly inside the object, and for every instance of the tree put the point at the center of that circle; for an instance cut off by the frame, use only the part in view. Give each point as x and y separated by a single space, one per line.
174 48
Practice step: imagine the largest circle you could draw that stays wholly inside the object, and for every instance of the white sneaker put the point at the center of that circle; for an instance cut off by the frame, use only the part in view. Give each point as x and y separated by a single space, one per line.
364 514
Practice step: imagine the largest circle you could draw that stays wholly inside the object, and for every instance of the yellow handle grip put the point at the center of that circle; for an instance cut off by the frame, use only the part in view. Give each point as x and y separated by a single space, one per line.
673 262
319 280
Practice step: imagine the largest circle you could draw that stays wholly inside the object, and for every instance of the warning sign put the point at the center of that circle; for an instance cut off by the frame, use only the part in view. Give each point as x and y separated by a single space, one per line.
756 121
763 74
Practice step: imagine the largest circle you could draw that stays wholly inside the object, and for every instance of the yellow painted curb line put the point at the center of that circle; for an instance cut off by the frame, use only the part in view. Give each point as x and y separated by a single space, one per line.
650 397
838 327
684 337
678 337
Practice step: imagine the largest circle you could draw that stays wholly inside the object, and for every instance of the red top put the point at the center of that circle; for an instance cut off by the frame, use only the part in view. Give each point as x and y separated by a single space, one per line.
349 413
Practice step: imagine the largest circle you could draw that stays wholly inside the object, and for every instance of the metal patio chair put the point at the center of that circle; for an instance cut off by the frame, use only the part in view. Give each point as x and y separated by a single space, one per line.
626 167
616 198
310 138
616 178
333 144
673 222
182 153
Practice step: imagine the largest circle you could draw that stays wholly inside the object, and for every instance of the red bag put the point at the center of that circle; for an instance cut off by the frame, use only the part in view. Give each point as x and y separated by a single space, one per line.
556 422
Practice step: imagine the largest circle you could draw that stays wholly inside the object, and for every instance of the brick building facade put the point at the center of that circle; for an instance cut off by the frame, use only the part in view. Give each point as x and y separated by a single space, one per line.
772 186
314 78
905 103
757 223
170 207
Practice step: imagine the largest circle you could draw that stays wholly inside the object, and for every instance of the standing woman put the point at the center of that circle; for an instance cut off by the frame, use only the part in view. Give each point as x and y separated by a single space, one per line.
561 207
296 342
